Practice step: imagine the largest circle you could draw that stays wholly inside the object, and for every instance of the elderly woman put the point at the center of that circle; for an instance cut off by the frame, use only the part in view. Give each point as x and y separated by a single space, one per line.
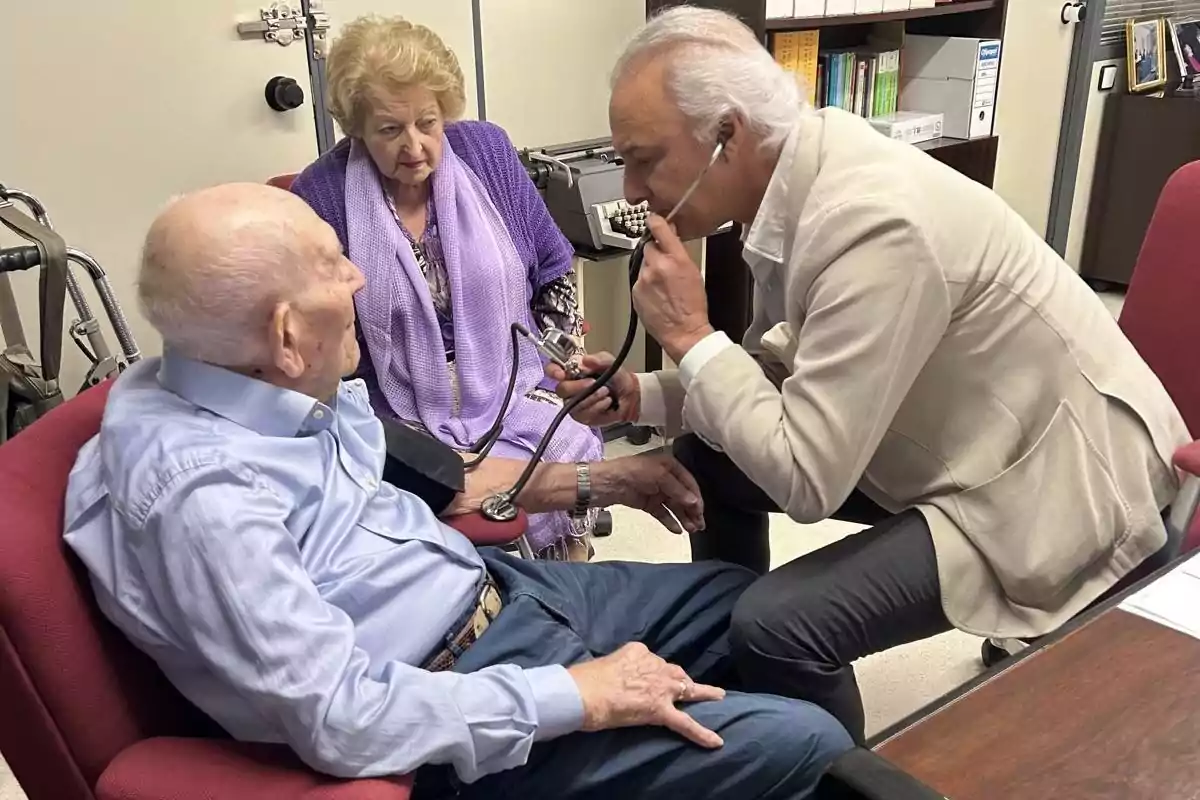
456 245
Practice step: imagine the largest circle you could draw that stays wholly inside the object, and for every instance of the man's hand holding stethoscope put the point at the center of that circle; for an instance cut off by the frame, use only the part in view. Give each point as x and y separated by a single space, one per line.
669 294
670 300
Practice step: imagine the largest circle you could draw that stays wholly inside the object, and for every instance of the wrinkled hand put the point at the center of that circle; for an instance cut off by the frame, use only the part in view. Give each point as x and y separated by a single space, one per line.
655 483
669 294
597 410
634 687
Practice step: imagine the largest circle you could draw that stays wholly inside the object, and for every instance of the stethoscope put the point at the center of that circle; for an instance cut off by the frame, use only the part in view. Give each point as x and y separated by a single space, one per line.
555 345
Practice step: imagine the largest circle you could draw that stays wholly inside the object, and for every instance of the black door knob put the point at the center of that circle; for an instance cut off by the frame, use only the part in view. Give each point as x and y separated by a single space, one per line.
284 94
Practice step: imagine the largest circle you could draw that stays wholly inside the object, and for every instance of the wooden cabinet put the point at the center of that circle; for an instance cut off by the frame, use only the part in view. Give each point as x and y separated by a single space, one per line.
1142 142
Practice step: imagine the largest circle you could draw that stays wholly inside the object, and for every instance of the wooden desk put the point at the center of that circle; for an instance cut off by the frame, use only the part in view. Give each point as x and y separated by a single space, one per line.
1108 709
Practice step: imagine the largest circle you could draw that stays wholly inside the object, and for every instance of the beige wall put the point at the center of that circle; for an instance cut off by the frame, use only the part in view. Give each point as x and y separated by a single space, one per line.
546 65
109 109
1087 159
154 115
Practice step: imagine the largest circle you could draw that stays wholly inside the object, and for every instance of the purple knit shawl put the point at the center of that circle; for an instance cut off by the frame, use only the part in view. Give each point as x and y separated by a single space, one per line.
489 289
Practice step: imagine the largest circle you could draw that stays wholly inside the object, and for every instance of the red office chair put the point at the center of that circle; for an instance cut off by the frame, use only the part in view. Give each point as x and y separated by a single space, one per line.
85 715
1161 316
283 181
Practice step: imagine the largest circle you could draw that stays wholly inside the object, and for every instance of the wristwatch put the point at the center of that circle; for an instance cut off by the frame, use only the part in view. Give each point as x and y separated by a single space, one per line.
583 490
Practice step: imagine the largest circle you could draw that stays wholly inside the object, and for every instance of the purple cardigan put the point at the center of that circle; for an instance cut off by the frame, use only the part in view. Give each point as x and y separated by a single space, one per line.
485 148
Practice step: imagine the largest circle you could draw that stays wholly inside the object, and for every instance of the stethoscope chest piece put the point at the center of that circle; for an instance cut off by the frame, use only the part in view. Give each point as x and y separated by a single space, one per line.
500 508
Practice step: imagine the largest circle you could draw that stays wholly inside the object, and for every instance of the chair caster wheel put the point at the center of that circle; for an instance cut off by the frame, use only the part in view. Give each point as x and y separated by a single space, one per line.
604 524
992 654
639 436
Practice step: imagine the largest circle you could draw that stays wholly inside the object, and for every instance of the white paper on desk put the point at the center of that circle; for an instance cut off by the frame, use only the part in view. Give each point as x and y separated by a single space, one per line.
1172 600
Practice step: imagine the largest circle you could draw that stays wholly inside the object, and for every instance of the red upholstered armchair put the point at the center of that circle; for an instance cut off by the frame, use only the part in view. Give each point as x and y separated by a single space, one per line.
1161 316
86 716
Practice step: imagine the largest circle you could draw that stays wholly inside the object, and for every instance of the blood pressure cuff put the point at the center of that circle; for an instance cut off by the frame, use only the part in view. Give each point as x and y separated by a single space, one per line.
421 465
862 775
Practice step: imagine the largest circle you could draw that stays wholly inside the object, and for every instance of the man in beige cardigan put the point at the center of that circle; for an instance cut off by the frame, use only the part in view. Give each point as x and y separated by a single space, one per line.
919 359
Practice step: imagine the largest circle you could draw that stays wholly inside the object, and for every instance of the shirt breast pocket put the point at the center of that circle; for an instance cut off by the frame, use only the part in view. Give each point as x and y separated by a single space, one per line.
395 517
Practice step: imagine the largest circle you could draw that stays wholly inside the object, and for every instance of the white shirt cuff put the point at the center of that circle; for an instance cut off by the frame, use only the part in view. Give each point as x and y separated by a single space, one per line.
653 410
704 351
559 704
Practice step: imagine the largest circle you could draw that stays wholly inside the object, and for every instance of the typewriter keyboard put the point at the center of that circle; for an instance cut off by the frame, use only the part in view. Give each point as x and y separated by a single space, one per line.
629 220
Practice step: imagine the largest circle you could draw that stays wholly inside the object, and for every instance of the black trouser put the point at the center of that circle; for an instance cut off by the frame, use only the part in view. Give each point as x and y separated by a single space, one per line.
798 630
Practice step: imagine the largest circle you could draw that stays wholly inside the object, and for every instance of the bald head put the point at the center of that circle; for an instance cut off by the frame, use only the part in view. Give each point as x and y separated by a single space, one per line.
216 263
211 224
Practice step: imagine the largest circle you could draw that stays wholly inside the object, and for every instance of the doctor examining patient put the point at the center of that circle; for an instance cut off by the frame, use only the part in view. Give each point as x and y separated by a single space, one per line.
919 361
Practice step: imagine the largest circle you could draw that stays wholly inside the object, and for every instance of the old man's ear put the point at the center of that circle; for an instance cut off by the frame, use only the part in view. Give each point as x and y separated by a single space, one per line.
284 340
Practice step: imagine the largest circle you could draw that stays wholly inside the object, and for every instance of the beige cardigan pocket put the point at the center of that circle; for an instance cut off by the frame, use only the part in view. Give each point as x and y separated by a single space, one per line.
1049 516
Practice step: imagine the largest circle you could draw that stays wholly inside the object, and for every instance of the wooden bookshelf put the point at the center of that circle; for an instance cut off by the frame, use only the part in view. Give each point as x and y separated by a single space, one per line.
811 23
728 282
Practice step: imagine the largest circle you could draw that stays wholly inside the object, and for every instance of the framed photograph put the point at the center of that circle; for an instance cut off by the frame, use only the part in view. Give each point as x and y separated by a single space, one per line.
1146 53
1185 37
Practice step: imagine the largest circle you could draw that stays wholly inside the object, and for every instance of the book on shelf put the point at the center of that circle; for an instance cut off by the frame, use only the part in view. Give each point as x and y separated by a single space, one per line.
796 51
809 9
864 80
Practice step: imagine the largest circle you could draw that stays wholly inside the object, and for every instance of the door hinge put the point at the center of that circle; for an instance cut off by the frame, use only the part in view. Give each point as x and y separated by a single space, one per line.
283 23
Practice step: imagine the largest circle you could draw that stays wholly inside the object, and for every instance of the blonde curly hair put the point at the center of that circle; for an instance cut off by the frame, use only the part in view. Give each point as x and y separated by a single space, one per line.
390 53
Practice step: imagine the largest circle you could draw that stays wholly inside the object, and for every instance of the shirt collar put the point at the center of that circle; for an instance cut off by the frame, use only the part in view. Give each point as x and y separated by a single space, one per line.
794 173
256 405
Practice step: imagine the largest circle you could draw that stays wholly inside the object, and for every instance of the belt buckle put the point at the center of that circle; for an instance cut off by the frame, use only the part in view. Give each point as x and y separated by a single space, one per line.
487 608
479 622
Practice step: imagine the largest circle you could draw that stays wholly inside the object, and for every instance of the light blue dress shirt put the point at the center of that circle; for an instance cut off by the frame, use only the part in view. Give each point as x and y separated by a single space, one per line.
242 536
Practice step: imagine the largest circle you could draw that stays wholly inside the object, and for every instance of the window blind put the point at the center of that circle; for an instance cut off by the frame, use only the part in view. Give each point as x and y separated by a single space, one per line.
1117 12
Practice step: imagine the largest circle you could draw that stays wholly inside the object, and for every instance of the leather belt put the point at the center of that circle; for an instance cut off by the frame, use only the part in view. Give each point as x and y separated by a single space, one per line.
465 633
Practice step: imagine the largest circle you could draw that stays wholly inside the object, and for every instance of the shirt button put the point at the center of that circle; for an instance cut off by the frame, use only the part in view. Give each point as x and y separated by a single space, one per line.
318 414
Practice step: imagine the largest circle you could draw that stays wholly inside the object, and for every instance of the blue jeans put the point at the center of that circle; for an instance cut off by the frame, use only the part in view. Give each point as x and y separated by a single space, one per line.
565 613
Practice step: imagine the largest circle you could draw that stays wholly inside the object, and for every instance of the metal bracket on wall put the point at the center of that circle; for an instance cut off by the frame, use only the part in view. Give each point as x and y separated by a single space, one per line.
318 49
318 26
282 24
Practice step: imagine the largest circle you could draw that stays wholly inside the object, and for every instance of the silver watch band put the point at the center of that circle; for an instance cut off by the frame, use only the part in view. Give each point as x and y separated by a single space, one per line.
583 489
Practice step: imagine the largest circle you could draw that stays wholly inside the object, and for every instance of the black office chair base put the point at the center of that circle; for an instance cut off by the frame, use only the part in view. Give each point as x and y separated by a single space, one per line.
992 654
640 436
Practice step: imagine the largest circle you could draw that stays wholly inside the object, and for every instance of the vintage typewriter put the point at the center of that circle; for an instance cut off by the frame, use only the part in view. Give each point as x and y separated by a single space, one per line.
582 184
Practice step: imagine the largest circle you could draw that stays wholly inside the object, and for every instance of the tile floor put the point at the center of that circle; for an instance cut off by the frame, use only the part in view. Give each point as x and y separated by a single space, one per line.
894 684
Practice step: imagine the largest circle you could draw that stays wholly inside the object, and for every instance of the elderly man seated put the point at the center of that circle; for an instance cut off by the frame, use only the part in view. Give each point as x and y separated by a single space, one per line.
236 526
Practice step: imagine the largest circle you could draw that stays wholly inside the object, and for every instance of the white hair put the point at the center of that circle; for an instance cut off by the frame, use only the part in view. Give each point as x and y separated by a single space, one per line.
717 67
210 293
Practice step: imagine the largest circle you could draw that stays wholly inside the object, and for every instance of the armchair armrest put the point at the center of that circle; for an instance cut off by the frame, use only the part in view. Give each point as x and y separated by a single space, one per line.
864 775
1183 510
183 769
484 533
